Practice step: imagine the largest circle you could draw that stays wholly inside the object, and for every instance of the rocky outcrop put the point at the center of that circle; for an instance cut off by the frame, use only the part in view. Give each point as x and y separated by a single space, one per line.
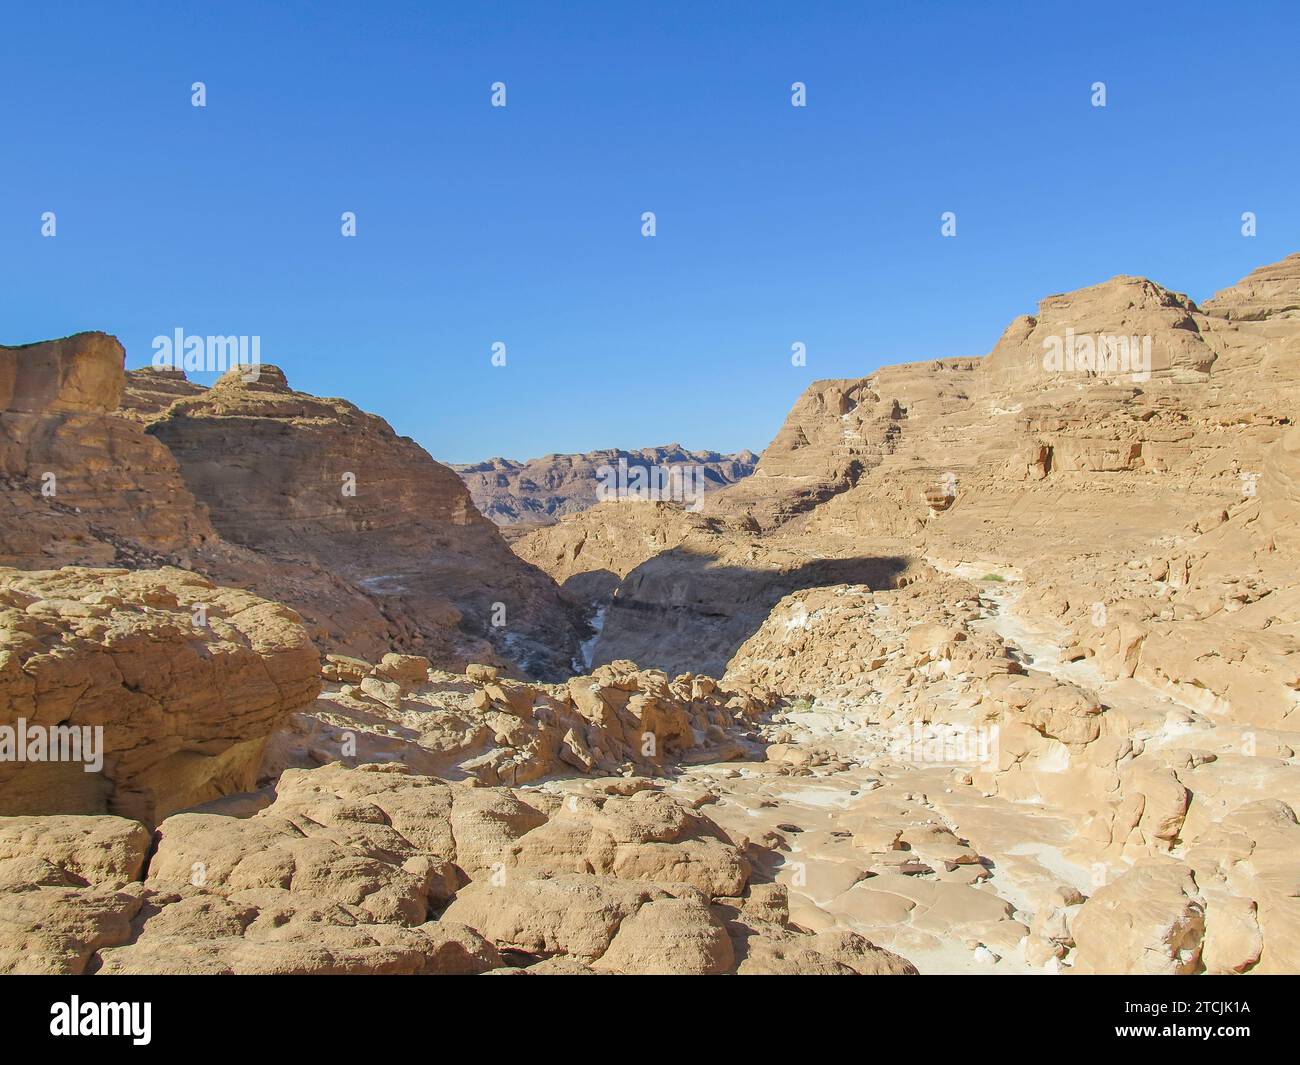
486 727
1272 291
1007 650
321 482
541 491
151 390
84 484
376 870
995 461
1075 337
140 693
81 485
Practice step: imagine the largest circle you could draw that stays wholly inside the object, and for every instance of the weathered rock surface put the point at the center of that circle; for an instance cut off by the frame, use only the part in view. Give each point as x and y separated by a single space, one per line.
486 727
79 484
169 684
83 483
1007 652
377 870
322 482
1093 617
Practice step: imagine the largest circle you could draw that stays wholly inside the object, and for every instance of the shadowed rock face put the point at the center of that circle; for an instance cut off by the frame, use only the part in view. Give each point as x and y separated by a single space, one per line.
543 490
321 481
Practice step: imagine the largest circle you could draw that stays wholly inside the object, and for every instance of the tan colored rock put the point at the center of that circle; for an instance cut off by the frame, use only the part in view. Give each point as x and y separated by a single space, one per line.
184 680
1149 920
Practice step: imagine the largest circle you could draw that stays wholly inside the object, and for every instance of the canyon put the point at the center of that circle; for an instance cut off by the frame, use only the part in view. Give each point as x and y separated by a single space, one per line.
984 665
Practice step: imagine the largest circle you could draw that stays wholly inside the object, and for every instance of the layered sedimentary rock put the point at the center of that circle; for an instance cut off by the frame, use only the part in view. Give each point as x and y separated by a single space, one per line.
541 491
1098 585
1006 681
81 485
1026 455
1272 291
151 390
322 482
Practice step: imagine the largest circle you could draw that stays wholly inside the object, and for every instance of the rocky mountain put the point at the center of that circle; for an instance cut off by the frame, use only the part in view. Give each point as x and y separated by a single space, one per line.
318 480
541 491
991 665
1088 544
309 502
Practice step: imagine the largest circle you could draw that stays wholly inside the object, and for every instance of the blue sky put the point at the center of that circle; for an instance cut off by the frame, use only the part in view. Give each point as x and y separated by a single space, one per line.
522 224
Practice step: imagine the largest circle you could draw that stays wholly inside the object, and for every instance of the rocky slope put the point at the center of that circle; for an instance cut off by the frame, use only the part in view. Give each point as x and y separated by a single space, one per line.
322 482
1000 459
541 491
90 475
1095 578
991 666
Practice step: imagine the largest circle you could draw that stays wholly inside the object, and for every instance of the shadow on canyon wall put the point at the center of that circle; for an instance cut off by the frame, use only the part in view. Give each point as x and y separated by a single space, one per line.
682 612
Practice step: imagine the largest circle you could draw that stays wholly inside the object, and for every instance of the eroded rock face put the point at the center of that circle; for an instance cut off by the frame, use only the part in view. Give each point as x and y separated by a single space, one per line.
541 491
1010 675
75 375
164 684
1098 564
320 481
151 390
1272 291
83 483
1002 461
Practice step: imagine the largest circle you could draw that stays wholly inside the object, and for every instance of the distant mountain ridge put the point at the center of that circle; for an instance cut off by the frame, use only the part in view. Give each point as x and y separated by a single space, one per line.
542 490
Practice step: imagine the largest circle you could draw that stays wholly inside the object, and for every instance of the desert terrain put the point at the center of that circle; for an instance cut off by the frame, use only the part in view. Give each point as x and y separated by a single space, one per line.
984 665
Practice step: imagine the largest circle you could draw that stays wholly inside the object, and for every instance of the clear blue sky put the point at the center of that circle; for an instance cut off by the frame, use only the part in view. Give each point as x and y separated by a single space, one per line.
522 224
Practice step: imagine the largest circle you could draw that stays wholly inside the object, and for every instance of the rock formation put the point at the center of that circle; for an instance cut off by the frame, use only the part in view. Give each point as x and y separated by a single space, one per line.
322 482
377 870
406 564
157 689
989 666
1092 591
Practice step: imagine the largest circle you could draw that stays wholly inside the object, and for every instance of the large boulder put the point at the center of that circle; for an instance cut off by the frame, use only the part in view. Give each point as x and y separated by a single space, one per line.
139 693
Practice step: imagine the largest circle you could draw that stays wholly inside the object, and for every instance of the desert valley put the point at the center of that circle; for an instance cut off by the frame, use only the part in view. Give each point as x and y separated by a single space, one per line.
984 665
